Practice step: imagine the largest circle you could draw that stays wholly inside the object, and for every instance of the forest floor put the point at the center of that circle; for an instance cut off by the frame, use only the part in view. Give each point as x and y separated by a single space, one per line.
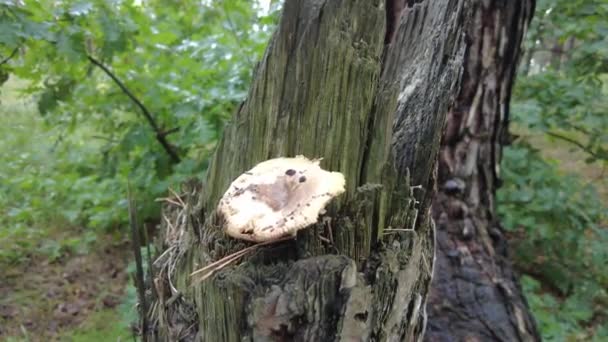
74 298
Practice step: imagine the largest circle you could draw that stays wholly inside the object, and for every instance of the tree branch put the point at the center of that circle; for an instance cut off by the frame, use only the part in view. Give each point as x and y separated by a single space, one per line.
104 138
576 143
169 131
4 61
160 135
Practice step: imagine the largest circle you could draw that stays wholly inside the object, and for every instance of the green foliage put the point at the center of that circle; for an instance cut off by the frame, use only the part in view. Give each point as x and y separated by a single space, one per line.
560 320
36 197
559 216
558 239
561 243
564 91
128 307
558 221
189 64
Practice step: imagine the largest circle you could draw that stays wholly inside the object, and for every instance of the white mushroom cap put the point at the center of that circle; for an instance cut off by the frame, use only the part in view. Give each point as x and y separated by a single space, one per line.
277 198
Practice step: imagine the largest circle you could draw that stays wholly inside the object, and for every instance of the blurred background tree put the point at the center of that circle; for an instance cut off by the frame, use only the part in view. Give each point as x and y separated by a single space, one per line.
72 136
555 190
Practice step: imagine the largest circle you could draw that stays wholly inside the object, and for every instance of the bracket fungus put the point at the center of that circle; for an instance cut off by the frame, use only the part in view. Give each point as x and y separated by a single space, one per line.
277 198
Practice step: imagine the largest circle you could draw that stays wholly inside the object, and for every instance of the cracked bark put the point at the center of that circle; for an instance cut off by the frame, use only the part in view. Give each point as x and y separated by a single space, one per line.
475 293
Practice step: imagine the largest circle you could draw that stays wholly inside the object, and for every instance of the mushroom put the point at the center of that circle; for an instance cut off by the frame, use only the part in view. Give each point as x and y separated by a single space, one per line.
277 198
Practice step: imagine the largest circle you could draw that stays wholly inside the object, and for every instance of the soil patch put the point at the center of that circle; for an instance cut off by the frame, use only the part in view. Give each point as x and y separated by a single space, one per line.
39 299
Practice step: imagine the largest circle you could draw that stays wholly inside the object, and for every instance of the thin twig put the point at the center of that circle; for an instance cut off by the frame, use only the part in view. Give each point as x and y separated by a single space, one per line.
160 135
398 230
178 198
232 256
576 143
210 269
180 202
13 53
170 269
160 257
224 262
324 239
169 200
139 272
171 226
169 131
100 137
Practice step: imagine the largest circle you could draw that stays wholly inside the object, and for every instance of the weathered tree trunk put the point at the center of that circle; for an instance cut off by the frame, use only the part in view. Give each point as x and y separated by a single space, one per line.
365 85
475 294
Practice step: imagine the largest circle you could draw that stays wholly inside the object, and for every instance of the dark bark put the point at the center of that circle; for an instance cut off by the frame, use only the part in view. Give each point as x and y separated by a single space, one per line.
334 83
475 293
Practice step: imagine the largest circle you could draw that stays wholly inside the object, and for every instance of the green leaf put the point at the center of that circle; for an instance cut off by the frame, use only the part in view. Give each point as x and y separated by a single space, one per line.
71 45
